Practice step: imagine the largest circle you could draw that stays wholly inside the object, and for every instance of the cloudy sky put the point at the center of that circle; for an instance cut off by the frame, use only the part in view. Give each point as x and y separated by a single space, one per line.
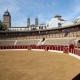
43 9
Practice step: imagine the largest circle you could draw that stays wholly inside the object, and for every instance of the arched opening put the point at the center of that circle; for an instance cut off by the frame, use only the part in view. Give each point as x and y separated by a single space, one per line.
43 40
78 43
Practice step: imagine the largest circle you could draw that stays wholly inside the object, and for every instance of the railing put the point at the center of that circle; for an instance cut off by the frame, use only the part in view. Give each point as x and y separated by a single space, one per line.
64 49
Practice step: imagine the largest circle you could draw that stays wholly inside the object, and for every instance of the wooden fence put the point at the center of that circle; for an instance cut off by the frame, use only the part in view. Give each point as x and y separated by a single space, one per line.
64 49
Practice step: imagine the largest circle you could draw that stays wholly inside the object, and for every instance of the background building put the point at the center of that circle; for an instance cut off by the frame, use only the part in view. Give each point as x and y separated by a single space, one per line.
32 26
7 23
42 26
28 23
57 21
7 19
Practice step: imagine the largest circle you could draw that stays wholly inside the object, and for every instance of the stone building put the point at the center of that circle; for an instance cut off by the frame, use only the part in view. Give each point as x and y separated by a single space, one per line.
7 19
32 26
29 26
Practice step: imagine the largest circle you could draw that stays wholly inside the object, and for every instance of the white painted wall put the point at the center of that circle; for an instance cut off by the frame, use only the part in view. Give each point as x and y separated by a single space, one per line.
54 23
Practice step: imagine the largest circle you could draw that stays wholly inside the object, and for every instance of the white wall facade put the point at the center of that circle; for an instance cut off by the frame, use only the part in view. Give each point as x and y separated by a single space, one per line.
54 22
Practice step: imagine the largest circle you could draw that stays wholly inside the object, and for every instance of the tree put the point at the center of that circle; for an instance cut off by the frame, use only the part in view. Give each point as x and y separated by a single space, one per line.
1 26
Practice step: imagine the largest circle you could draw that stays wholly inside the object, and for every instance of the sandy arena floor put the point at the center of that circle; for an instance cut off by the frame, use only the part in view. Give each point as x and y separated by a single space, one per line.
35 65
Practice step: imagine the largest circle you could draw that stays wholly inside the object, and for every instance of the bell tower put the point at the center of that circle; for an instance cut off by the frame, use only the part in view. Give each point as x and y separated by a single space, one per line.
28 23
7 19
36 22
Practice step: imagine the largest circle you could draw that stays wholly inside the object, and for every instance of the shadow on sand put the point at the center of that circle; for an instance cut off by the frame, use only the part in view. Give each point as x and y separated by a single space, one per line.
77 77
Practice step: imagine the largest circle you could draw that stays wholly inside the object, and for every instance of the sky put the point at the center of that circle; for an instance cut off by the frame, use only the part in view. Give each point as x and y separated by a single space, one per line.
43 9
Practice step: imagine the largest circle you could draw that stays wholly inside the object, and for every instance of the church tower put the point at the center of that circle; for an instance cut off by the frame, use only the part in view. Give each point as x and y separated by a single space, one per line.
36 22
28 23
7 19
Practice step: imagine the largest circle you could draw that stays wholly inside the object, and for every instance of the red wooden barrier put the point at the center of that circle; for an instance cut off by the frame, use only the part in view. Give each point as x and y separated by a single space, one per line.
65 49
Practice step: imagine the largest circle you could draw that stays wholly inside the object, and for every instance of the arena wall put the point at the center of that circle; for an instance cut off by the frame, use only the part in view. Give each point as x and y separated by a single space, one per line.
64 49
72 31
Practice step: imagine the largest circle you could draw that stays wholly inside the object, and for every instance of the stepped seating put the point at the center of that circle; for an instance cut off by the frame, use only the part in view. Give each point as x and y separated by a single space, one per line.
7 42
28 42
47 41
59 41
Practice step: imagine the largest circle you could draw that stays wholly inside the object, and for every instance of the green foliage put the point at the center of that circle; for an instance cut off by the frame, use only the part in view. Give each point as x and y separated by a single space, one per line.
1 26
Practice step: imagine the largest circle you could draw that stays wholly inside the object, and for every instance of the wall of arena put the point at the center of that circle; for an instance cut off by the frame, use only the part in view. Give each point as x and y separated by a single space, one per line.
63 34
39 36
62 49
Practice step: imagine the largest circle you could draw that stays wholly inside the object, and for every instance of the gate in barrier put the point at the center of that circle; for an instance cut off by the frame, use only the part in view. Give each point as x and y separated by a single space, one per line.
71 48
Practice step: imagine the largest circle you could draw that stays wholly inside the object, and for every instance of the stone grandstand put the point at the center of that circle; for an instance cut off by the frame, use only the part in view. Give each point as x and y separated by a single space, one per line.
62 35
65 39
58 36
48 41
